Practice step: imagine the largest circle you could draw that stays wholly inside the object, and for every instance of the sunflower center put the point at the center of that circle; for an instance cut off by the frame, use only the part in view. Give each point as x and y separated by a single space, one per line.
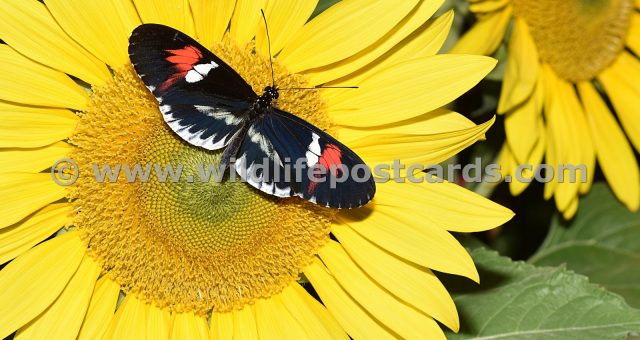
188 245
578 38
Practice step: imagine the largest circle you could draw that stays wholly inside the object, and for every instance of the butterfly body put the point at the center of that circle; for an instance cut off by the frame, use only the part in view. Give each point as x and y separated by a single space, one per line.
208 104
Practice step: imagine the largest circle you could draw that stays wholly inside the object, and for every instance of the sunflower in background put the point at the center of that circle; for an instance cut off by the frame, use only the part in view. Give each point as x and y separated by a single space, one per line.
570 66
197 260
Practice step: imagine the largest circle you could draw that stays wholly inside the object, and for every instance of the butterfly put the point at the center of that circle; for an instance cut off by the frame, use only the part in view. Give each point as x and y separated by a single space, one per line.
209 105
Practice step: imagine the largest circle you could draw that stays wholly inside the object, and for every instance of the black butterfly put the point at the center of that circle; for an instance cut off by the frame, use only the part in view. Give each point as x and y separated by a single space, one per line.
209 105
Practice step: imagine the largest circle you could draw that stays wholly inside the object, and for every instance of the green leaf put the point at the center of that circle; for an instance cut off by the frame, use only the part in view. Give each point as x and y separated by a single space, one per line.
517 300
602 242
322 6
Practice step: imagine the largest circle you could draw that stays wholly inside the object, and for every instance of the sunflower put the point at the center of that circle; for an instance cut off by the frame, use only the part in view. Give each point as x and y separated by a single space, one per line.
197 260
570 65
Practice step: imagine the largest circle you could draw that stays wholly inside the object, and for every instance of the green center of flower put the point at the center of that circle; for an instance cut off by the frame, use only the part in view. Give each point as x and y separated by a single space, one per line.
188 245
578 38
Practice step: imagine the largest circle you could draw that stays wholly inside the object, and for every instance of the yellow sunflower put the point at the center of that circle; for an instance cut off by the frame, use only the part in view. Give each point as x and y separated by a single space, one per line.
569 64
221 260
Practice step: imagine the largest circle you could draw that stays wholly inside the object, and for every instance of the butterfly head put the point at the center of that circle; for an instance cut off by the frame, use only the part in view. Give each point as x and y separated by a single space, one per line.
263 102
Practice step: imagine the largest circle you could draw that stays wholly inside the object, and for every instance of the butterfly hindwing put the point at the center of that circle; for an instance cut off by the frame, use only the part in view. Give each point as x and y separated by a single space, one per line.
201 98
281 138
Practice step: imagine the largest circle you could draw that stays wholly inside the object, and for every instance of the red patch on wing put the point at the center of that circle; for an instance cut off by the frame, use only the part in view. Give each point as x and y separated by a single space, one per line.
183 61
331 156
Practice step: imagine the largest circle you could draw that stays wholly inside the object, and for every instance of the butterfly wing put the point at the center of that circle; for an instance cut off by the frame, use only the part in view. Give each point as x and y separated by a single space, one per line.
201 98
273 144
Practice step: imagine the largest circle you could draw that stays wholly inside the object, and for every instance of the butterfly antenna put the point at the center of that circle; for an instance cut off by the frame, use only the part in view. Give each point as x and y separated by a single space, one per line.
273 77
319 87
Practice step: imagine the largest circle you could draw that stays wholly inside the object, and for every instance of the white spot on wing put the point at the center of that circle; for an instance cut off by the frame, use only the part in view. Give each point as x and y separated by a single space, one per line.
193 76
204 69
313 150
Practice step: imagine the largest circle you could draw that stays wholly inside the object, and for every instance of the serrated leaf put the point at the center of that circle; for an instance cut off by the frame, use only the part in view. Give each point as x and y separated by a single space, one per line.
602 242
517 300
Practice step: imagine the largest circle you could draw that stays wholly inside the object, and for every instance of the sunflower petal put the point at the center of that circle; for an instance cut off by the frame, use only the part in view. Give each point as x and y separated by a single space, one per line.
32 127
521 75
415 286
102 27
615 155
424 42
534 159
173 13
244 324
409 89
633 37
62 320
521 126
620 82
21 237
101 309
418 16
24 81
311 314
28 27
406 321
360 23
211 19
23 194
159 323
275 322
188 326
486 35
245 20
221 326
400 232
358 323
448 205
130 320
285 19
31 283
487 6
32 160
412 143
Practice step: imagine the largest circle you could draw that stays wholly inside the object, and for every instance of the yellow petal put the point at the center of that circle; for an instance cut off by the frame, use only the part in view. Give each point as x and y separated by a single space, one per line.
521 75
187 326
424 42
159 323
21 237
416 18
30 283
448 205
275 322
405 234
309 313
23 194
633 37
28 27
102 27
221 326
408 322
32 160
534 159
615 155
101 309
32 127
211 19
130 321
571 209
486 35
414 285
358 323
621 83
409 89
487 6
173 13
24 81
408 144
358 23
244 324
62 320
245 20
521 126
285 18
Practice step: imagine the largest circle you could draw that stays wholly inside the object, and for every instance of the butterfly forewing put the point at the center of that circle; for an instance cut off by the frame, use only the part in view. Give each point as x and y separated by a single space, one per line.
201 98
